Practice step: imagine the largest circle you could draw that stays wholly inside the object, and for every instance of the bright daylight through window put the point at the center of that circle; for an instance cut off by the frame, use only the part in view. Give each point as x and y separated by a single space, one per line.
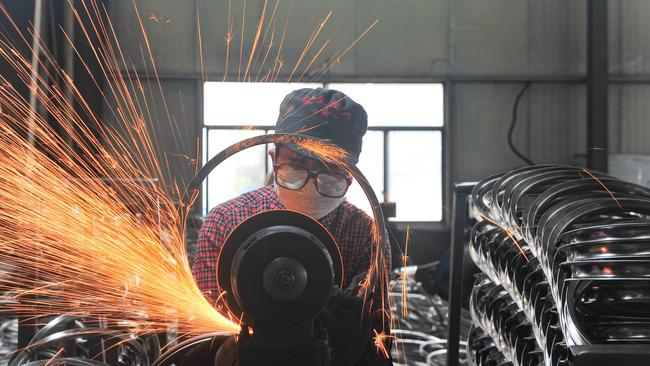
404 121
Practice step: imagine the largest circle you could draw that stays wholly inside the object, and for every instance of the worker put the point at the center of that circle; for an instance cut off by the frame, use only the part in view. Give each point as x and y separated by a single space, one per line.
305 184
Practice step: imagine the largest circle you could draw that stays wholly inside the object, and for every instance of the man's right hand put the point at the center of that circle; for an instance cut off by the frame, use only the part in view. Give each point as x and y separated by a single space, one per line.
348 328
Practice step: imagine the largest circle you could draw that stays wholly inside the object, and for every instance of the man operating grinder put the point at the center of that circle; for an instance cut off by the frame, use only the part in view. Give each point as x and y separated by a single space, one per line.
303 183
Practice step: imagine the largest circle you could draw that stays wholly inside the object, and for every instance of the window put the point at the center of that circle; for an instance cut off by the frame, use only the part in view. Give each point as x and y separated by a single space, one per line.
229 117
402 150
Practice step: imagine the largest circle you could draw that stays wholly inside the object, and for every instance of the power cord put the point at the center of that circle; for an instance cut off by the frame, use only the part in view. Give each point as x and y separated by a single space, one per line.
515 107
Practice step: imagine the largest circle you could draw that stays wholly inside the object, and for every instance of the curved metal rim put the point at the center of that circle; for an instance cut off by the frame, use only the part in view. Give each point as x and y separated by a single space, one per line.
522 180
75 333
378 216
67 361
184 344
531 184
546 199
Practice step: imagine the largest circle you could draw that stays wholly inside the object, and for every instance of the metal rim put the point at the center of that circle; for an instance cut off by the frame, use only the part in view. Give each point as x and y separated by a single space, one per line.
374 274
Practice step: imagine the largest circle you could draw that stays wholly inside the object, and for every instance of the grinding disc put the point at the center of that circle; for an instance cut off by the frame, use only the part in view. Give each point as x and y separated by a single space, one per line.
278 267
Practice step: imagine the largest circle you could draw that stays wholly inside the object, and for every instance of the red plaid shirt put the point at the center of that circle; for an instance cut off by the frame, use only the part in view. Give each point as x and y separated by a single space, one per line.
350 226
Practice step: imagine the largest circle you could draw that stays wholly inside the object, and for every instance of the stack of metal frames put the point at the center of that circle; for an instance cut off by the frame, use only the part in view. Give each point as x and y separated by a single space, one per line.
520 277
495 312
482 350
566 259
73 340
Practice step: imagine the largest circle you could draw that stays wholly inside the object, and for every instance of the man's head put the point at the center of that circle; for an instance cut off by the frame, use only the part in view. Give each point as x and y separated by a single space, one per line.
324 114
303 182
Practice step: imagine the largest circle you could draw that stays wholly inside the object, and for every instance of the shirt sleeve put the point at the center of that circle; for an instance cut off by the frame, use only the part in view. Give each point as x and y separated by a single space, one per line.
213 232
380 308
365 252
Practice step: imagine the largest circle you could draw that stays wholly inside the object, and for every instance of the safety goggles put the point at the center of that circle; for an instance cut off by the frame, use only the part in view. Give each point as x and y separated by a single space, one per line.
328 183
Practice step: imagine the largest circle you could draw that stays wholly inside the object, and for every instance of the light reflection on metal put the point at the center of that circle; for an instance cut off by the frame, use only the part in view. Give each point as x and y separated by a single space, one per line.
587 237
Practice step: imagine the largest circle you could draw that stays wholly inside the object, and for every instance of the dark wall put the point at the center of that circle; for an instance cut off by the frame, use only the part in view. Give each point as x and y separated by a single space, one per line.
425 245
17 28
22 12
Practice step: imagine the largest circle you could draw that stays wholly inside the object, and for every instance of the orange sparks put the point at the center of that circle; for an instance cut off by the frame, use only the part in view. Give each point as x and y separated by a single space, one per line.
90 221
71 240
156 19
380 339
228 39
260 25
326 109
509 233
313 59
241 39
611 194
277 65
404 275
336 59
91 224
326 152
271 22
54 356
310 42
204 78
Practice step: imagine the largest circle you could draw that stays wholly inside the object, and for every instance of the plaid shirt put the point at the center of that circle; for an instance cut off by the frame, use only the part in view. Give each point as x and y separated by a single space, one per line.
350 226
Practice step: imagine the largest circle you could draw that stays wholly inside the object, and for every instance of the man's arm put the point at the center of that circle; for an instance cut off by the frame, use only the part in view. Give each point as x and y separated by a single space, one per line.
378 320
213 232
366 252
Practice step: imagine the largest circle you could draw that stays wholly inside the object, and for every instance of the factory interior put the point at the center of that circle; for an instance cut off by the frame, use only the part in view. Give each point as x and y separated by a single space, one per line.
324 182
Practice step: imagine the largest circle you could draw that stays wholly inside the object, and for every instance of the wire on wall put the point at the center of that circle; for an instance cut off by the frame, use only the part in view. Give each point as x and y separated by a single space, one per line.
513 124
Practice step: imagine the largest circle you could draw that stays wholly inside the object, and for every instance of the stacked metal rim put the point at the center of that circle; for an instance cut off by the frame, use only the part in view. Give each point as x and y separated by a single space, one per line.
8 339
69 340
566 259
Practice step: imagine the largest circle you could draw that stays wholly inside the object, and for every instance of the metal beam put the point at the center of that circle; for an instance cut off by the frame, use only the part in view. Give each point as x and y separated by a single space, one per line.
597 69
457 248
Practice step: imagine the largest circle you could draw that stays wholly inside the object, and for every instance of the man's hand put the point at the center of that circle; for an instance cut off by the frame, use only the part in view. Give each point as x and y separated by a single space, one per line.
348 327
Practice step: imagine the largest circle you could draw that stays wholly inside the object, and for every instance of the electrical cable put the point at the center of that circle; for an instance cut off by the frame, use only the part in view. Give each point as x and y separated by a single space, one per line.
515 108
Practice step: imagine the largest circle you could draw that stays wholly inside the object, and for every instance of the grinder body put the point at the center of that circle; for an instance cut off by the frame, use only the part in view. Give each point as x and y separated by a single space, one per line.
277 270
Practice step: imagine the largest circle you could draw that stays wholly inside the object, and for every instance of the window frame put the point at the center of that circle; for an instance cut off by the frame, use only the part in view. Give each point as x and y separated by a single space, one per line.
385 130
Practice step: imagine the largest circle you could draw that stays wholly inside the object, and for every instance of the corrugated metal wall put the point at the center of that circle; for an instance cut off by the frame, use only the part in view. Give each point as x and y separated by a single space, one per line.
490 44
630 58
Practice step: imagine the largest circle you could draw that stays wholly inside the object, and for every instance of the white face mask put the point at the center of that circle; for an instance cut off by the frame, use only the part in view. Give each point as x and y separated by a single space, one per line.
308 201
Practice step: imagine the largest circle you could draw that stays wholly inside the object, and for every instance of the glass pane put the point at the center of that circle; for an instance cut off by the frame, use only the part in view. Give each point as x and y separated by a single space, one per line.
415 174
391 104
244 104
372 166
241 173
204 159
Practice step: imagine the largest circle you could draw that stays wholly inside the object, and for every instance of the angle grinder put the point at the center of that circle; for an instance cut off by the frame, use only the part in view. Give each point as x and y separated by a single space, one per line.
277 270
